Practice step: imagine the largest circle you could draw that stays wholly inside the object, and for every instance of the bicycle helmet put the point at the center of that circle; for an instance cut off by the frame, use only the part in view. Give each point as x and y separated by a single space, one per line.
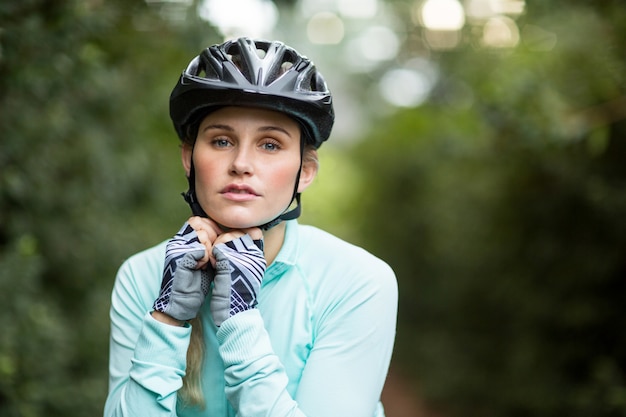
254 73
257 73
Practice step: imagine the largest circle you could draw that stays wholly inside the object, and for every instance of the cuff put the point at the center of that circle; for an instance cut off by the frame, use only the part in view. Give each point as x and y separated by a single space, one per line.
243 338
160 356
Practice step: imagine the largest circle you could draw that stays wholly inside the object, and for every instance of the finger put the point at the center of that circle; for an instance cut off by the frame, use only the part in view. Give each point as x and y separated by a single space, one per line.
223 238
206 231
228 236
205 223
203 263
206 237
254 232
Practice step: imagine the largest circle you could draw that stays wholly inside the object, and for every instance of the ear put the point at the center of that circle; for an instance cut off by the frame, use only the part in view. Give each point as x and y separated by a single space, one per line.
308 173
186 154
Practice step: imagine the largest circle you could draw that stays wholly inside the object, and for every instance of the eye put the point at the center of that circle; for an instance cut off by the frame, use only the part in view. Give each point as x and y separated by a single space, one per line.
271 145
220 142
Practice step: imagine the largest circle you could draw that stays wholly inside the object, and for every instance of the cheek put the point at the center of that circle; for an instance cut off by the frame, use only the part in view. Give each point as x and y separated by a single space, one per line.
283 179
289 173
206 168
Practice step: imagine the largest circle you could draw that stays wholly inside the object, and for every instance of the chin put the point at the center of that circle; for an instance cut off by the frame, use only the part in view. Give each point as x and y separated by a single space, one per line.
241 217
238 223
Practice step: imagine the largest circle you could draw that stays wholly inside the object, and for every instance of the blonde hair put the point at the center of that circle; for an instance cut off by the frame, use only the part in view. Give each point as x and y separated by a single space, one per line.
191 392
310 155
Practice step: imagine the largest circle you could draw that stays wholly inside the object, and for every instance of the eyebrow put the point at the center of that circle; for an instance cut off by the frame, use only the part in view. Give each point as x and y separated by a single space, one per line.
270 128
231 129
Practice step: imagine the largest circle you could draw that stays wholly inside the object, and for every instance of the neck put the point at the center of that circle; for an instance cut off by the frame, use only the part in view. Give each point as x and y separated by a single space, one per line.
273 240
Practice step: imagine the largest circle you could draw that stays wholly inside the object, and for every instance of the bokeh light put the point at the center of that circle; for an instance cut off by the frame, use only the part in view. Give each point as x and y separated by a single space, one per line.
500 32
234 18
325 28
485 9
404 87
358 9
310 7
378 43
442 15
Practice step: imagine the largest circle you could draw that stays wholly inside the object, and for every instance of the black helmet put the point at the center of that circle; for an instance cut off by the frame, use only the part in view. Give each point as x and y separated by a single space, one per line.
257 73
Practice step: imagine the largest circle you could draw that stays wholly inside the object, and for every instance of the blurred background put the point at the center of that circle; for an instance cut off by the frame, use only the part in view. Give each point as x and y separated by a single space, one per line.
480 149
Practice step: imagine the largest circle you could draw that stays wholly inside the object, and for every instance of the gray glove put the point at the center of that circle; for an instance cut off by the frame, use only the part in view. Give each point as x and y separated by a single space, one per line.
184 287
239 269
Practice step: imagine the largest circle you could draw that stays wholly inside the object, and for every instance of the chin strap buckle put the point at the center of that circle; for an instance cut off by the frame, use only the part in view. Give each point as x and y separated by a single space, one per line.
196 209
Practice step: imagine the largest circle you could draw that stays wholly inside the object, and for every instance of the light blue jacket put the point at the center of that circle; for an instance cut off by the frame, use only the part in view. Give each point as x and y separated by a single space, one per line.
318 345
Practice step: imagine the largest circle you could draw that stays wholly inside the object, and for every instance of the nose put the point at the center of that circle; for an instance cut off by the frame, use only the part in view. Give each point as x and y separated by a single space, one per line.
242 163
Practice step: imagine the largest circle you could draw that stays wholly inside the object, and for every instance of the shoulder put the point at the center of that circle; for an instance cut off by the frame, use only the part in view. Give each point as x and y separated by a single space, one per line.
145 262
333 263
345 280
320 247
139 276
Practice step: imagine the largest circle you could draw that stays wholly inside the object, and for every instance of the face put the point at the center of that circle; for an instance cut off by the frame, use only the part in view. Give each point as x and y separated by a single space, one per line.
246 161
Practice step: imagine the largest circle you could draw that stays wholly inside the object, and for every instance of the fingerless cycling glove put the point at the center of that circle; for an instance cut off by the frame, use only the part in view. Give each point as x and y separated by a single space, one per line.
184 287
239 271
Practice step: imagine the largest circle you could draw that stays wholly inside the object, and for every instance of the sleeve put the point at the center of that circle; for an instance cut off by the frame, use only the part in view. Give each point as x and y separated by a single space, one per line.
348 365
147 358
345 372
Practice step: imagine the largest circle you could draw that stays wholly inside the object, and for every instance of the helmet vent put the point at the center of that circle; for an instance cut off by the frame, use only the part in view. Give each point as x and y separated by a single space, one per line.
202 69
287 62
289 58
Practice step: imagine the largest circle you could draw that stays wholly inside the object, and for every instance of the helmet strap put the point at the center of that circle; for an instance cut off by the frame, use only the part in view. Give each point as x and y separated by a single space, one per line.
190 194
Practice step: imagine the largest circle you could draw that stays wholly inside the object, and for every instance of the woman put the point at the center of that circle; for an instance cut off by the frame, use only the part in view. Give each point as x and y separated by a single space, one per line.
244 311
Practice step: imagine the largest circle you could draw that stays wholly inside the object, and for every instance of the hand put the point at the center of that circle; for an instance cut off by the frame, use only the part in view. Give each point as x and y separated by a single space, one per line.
239 269
209 233
184 286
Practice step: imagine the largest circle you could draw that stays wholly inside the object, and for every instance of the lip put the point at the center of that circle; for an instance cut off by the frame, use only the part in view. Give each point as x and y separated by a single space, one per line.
239 192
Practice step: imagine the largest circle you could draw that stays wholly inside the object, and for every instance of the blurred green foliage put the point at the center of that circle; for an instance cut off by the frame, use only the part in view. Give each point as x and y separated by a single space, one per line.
501 206
499 203
87 168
